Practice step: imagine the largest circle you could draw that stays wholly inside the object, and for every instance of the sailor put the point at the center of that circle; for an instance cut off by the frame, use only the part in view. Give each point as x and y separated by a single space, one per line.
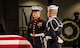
53 28
36 28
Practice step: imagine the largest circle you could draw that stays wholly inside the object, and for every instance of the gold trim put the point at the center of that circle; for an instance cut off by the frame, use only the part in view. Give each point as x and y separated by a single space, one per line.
77 35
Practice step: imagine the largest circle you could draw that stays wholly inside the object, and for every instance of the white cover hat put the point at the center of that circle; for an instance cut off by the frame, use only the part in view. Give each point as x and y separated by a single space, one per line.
53 7
36 8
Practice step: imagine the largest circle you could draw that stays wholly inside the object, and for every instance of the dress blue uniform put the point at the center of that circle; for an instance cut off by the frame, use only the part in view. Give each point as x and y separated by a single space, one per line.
36 30
35 34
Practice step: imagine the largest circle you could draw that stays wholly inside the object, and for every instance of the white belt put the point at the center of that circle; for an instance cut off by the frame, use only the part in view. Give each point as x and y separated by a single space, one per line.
37 35
48 37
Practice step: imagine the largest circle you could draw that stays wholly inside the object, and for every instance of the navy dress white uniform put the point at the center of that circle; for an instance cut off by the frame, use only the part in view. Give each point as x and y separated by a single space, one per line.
54 28
36 30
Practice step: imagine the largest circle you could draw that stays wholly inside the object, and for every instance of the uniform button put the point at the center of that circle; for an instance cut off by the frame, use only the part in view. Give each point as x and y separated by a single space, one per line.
34 23
33 27
33 30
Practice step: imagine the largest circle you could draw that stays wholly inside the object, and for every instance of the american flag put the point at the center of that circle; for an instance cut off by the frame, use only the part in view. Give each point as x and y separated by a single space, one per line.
14 41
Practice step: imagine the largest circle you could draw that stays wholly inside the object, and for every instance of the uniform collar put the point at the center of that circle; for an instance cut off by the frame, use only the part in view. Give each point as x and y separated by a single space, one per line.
52 17
37 19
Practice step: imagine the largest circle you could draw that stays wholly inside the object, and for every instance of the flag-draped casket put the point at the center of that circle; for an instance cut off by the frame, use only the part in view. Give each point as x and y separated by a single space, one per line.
14 41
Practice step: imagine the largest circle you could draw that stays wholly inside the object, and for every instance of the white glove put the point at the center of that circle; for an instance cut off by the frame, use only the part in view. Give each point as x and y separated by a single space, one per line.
60 40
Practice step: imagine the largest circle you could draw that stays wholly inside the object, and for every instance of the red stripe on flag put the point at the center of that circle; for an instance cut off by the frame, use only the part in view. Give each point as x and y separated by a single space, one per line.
14 46
12 38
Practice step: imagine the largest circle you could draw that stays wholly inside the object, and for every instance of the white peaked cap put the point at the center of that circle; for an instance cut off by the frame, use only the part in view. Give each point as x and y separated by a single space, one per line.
36 8
53 7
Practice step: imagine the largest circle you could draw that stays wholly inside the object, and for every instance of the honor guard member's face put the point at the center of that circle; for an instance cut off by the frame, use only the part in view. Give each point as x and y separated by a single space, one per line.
36 14
52 11
36 11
